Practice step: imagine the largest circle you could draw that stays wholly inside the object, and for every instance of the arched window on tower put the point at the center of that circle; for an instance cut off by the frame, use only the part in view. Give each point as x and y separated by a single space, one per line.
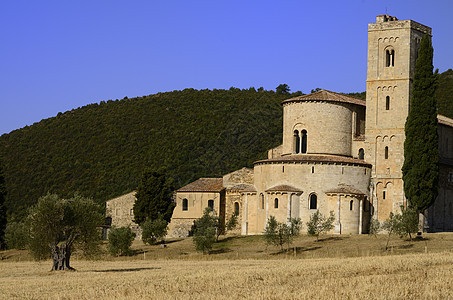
386 152
296 142
276 203
185 204
304 141
351 205
387 103
262 201
361 153
313 201
389 58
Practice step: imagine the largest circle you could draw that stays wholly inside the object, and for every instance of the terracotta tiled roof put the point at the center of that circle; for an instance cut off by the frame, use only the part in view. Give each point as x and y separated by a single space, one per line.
243 188
345 190
314 158
324 95
204 185
445 120
283 188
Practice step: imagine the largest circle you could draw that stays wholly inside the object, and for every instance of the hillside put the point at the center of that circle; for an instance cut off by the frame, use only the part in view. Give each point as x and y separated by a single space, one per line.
100 150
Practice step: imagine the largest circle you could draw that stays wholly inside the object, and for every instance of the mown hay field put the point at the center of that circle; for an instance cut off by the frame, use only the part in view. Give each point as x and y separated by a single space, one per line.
412 276
338 267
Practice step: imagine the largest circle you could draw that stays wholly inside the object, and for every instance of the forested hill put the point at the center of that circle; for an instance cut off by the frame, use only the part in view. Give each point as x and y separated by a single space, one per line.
100 150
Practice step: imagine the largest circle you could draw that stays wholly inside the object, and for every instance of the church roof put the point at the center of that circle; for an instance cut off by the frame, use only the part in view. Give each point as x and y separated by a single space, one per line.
324 95
284 188
243 187
204 185
314 158
345 190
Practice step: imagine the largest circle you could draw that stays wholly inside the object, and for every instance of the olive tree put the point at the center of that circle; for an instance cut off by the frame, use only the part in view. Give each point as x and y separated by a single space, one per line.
57 226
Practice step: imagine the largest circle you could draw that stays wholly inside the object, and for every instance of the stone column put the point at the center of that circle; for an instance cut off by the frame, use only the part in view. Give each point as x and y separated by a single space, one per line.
245 212
360 215
338 223
289 207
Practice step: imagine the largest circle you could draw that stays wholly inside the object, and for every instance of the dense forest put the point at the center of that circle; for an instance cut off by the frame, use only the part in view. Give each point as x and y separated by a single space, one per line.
100 150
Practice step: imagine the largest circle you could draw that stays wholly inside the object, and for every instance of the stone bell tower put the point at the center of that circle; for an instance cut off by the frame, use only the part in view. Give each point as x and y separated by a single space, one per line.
392 51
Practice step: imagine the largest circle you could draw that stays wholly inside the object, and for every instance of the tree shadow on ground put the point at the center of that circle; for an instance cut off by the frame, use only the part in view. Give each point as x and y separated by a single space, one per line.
298 250
332 238
126 270
220 251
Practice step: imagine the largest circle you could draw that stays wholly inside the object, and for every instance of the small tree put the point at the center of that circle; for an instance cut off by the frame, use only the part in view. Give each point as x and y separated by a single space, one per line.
374 227
232 223
204 234
279 233
154 230
408 223
120 241
154 197
57 225
319 224
16 235
391 225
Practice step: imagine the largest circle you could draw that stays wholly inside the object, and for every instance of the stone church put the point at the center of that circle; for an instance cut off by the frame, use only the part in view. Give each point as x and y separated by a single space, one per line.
338 153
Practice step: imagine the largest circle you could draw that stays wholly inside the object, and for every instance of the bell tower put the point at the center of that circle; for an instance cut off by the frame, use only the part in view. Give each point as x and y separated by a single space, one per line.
392 51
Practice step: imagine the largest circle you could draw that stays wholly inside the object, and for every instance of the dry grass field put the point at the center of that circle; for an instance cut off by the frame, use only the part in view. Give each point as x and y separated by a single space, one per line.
339 267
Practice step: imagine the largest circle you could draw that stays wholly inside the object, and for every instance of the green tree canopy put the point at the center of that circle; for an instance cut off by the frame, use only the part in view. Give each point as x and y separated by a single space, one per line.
204 235
154 197
57 225
282 89
421 154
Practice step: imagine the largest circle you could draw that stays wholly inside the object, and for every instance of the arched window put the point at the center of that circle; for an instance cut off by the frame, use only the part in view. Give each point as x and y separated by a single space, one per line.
361 153
351 204
386 152
262 201
185 204
211 204
387 103
313 201
296 142
276 203
304 141
236 208
390 58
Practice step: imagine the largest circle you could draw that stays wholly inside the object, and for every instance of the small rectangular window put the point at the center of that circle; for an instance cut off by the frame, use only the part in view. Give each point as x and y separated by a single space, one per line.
383 195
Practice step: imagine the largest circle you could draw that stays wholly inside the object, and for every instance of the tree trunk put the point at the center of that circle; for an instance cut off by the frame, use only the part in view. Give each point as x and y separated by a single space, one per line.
60 257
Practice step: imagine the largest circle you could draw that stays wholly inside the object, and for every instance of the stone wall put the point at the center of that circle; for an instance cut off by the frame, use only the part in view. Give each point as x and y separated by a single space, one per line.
121 211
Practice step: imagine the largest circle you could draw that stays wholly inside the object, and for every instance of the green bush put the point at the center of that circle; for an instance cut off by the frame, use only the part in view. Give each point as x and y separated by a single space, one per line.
204 235
16 235
280 233
120 241
319 224
154 230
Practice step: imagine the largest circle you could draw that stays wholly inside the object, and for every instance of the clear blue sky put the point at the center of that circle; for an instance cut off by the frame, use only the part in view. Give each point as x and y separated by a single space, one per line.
60 55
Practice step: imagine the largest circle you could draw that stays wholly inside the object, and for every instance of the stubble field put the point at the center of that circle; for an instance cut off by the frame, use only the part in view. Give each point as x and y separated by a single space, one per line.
407 274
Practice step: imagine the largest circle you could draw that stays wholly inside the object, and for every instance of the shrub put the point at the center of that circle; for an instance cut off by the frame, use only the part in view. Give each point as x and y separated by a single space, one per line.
280 233
319 224
204 234
16 235
154 230
120 241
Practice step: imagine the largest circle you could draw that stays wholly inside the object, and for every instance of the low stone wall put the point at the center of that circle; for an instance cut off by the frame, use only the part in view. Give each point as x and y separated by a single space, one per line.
180 227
